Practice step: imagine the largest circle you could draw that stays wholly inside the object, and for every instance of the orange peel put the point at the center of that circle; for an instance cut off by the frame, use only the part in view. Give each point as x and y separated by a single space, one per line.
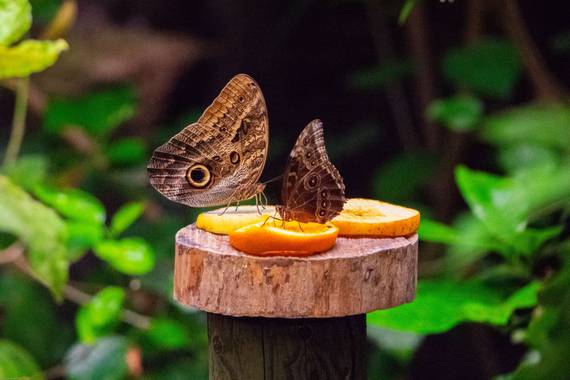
369 217
275 237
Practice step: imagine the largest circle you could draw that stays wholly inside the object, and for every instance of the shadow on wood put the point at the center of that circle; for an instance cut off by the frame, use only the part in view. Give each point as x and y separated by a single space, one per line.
286 349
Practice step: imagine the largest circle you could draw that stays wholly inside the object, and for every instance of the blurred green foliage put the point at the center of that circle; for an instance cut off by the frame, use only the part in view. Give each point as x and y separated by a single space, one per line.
459 113
502 262
489 67
98 114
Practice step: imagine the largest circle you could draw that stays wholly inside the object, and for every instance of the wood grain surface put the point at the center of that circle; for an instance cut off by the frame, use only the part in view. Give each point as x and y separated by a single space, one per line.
285 349
358 275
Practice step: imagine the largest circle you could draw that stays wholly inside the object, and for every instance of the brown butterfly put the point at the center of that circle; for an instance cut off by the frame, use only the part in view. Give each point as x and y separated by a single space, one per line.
312 190
218 159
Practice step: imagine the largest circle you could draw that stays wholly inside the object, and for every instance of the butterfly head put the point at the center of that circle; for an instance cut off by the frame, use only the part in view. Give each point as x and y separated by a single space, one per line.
260 188
298 215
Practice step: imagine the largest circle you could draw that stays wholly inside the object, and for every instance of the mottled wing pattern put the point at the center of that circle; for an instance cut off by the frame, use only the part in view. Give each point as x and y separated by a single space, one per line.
313 189
218 159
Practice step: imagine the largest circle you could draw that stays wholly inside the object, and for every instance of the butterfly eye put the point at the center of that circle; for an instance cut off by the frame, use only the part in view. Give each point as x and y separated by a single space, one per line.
234 157
198 176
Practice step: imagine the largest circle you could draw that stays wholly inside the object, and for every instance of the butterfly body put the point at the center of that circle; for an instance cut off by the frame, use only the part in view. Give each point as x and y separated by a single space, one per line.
218 159
312 190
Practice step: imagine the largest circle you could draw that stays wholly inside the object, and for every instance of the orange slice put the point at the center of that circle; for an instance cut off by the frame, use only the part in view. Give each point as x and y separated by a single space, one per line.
284 238
369 217
220 222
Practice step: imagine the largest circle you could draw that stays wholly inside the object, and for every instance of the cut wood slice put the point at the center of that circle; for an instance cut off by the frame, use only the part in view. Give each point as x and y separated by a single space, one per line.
223 222
369 217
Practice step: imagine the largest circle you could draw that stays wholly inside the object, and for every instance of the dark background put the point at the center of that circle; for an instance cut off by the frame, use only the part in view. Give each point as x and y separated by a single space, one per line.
350 63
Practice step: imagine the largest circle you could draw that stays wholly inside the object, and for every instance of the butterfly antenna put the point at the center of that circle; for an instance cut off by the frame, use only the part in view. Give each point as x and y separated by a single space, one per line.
273 179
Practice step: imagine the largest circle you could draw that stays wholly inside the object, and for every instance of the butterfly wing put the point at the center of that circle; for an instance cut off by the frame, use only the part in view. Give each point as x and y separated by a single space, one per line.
313 189
218 159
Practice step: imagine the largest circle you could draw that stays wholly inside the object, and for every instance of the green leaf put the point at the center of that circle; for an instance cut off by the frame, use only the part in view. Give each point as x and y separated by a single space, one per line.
17 363
72 203
459 113
98 113
168 334
29 57
506 204
468 241
101 315
531 239
41 229
436 232
132 256
549 331
496 201
541 124
27 171
401 179
15 20
503 206
44 334
126 216
524 156
490 67
82 236
406 10
127 151
544 188
104 360
377 77
467 234
440 305
43 11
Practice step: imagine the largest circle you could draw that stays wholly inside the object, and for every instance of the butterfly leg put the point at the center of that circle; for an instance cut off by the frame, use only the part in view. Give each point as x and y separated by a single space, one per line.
237 205
226 209
257 202
301 228
264 200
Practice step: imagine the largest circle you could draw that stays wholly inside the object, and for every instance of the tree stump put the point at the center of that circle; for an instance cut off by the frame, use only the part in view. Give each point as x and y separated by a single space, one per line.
291 317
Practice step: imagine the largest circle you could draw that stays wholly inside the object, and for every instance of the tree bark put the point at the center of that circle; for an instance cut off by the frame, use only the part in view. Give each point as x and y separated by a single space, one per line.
287 349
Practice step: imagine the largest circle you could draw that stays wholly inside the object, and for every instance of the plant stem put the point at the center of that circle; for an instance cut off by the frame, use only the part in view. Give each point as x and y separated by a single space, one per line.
546 85
14 254
18 122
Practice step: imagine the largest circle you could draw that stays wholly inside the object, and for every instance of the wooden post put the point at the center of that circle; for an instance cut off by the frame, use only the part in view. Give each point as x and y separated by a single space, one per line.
291 317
